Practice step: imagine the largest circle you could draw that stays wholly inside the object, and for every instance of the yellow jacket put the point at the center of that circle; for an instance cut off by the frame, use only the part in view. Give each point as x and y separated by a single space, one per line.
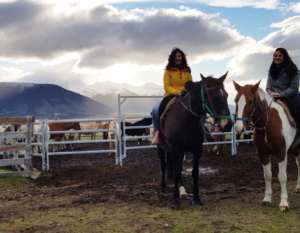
174 80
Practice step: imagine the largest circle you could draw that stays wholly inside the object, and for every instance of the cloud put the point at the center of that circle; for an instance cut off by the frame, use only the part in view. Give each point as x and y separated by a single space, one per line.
10 74
103 36
288 36
266 4
58 74
251 66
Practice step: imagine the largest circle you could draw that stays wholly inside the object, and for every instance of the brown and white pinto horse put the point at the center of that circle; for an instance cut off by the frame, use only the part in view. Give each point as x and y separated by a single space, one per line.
273 135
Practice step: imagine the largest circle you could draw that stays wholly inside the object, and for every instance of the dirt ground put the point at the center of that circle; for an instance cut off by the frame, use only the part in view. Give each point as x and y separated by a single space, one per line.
92 181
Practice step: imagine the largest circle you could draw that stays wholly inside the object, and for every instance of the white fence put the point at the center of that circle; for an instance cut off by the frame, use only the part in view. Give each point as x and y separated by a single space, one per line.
47 143
22 165
123 118
119 143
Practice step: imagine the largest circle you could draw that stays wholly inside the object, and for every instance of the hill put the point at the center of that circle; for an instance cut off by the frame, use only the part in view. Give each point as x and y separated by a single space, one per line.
43 100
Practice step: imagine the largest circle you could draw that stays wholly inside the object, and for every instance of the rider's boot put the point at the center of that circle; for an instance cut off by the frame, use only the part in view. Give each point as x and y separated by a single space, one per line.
156 139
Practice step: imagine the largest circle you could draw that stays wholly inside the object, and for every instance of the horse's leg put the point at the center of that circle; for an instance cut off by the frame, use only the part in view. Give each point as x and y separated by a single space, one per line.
169 166
182 192
268 179
284 206
195 173
161 155
297 157
177 165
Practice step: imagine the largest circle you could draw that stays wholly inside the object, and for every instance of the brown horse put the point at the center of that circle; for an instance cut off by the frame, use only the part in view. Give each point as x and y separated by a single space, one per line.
183 128
61 127
218 148
105 134
274 135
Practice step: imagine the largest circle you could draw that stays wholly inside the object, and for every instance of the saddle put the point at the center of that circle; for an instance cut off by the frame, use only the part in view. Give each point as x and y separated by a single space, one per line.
290 109
164 107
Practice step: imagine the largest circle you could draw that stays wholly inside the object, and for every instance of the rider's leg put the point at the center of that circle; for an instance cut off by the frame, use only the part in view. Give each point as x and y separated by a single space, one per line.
155 120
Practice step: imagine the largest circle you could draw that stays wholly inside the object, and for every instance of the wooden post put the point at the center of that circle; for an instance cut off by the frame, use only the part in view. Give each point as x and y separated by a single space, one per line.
28 140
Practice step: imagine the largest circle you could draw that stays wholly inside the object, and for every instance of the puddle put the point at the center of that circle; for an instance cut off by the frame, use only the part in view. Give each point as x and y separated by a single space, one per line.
206 170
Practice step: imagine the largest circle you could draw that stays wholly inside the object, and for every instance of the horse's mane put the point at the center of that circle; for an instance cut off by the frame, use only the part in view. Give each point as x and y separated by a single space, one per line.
264 95
211 81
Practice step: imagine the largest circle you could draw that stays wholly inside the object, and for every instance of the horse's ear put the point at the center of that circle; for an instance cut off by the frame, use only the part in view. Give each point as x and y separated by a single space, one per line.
202 78
222 79
188 85
254 88
237 86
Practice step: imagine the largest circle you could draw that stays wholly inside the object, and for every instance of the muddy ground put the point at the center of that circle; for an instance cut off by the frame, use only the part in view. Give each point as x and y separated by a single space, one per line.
93 181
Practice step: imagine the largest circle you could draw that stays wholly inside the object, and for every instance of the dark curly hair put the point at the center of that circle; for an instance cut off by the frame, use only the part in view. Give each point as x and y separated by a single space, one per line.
289 66
171 60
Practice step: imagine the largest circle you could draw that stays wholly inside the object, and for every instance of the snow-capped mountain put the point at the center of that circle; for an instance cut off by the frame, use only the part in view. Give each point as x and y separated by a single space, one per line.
110 88
107 93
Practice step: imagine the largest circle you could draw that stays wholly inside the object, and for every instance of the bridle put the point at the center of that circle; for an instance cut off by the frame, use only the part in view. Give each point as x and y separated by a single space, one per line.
249 118
205 107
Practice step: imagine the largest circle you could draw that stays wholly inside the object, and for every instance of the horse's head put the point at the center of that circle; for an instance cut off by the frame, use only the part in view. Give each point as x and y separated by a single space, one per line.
76 126
214 99
245 101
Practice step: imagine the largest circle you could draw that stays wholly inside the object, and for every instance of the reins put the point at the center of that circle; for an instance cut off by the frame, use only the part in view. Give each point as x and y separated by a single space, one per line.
190 108
213 114
205 107
252 113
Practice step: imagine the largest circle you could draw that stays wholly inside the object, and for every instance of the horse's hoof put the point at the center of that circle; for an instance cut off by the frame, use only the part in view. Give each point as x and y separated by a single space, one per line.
176 204
283 208
182 193
197 201
266 203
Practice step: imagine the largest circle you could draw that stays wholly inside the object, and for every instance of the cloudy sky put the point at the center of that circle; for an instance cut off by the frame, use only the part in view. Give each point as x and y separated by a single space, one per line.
75 43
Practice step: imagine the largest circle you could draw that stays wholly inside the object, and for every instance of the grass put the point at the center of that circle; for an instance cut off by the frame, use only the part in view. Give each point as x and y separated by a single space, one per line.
11 181
234 217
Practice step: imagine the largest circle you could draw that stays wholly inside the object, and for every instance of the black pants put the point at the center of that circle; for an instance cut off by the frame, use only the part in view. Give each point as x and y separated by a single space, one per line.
293 103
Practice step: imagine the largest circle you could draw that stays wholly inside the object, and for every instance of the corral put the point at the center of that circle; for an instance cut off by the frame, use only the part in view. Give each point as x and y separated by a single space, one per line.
87 193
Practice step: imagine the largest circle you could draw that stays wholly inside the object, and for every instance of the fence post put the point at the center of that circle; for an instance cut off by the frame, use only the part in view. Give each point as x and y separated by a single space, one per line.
43 127
28 141
124 136
233 139
46 144
120 139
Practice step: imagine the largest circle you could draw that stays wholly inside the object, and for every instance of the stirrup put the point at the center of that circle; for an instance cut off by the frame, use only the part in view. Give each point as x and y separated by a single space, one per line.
156 139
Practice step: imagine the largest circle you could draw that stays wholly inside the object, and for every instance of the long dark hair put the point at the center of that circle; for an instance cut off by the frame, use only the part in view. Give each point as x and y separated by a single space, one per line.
171 60
289 66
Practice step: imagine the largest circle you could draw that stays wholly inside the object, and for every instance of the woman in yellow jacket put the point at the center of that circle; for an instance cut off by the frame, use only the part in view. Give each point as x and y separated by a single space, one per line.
177 73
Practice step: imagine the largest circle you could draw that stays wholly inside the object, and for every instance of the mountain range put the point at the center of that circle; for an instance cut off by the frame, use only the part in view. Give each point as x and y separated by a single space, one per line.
107 93
97 100
44 100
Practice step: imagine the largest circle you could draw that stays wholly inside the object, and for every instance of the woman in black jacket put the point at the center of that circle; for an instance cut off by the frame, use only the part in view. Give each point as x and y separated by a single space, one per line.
283 78
283 82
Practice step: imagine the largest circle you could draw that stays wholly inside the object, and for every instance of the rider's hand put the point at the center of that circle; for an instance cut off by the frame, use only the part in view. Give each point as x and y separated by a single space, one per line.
274 94
181 92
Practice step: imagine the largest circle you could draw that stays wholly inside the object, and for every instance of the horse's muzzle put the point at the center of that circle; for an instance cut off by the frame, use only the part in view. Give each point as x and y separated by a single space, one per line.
226 125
